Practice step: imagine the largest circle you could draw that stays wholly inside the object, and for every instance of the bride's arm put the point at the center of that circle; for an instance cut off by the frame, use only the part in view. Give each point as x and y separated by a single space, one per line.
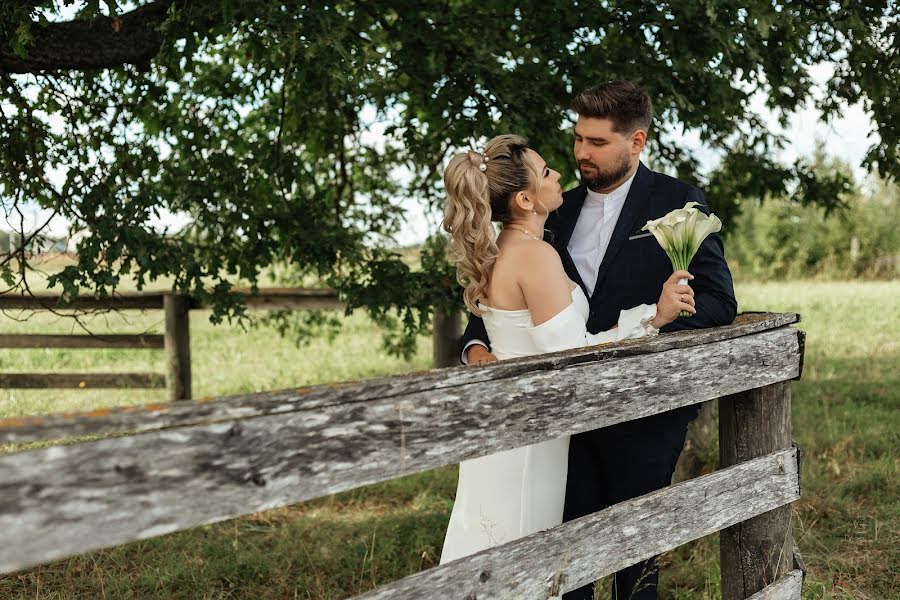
557 323
567 329
543 282
633 323
545 285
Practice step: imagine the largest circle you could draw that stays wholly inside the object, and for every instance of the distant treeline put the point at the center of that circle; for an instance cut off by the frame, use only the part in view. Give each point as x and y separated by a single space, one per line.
783 239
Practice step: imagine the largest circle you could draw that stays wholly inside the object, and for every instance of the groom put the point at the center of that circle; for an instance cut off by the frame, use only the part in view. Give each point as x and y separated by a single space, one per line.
597 234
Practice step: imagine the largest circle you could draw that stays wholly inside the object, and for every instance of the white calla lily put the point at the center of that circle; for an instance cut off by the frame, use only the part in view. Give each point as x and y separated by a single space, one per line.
661 235
681 232
703 228
675 217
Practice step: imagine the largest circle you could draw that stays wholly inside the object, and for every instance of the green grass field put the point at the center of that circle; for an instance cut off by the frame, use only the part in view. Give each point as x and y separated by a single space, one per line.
845 413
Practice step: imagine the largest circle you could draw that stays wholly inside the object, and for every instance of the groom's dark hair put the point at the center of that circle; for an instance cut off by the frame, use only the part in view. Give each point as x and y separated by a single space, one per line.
622 102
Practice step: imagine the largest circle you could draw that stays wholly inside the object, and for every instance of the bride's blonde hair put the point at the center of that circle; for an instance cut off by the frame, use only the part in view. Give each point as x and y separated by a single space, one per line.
479 190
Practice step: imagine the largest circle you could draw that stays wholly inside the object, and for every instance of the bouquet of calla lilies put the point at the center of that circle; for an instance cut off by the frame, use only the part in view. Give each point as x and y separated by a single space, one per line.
680 234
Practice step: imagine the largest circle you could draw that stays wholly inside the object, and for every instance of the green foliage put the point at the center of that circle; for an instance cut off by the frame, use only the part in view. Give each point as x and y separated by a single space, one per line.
405 311
256 123
788 239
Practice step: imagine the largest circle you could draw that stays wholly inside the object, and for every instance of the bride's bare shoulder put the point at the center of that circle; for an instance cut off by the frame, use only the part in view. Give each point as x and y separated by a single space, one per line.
532 258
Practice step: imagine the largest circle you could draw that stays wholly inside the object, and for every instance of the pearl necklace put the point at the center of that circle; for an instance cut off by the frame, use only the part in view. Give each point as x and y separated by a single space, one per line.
525 231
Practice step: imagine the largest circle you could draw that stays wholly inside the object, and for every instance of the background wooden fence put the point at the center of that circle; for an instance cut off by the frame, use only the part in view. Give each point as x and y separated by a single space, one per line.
189 463
176 340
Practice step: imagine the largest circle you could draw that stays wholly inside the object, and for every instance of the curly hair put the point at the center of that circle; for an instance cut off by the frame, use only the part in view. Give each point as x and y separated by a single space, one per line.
477 196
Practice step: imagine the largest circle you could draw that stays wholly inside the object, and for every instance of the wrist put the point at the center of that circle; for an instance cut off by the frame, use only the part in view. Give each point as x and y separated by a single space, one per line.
660 319
652 324
476 352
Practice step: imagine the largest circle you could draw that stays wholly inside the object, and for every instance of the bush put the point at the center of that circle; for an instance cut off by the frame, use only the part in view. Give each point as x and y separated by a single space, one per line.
782 238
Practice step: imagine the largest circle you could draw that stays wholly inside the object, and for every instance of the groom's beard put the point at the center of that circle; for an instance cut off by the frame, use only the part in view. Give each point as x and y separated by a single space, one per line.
598 179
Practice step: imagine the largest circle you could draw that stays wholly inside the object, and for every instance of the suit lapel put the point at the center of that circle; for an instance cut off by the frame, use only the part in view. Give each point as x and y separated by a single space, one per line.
635 205
564 225
567 216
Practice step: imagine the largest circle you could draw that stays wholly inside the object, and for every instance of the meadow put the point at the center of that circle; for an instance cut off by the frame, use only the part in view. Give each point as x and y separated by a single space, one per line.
845 416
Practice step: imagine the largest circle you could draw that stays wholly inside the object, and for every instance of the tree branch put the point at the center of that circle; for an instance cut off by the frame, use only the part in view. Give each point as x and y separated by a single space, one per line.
133 38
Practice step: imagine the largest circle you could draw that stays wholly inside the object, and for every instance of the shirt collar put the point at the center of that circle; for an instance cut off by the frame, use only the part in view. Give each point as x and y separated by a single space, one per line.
618 194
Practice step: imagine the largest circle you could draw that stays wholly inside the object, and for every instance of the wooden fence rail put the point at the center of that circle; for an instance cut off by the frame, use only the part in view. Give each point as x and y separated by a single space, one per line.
176 342
264 298
190 463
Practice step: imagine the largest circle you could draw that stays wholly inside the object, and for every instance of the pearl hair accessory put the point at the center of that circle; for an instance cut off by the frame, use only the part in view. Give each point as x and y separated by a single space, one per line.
483 166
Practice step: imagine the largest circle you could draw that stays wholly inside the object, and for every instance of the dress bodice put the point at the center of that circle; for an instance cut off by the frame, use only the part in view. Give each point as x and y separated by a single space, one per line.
509 332
513 333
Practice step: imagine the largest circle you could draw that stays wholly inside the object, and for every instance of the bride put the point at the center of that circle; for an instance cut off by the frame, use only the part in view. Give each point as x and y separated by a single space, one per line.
516 282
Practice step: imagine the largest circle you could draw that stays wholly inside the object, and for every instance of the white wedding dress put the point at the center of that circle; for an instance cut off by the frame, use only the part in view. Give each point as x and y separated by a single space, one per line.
517 492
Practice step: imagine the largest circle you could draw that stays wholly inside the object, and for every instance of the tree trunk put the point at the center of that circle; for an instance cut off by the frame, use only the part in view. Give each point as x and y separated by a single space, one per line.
447 332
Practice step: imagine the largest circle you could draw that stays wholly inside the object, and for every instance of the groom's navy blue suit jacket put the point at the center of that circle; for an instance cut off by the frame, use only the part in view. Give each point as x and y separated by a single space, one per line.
635 267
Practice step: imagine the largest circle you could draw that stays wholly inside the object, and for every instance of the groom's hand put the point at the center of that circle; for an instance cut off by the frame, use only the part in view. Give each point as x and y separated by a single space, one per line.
479 355
674 299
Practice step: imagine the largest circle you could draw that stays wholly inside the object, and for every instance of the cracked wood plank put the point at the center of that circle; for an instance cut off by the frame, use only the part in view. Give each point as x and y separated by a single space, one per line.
786 588
54 501
581 551
212 410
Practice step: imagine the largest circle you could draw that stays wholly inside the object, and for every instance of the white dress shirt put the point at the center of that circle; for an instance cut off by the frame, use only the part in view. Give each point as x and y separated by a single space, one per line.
593 230
590 238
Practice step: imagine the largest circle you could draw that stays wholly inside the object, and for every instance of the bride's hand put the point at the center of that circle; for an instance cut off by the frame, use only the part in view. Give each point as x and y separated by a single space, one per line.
674 299
479 355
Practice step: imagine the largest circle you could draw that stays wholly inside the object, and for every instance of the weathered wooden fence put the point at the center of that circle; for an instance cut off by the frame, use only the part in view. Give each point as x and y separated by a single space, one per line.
176 340
185 464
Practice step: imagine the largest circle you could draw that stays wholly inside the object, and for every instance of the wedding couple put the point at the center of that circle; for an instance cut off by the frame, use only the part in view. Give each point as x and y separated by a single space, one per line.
567 270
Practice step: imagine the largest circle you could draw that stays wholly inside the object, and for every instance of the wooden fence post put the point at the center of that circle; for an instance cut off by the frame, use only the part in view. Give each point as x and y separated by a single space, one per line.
178 346
758 551
446 332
